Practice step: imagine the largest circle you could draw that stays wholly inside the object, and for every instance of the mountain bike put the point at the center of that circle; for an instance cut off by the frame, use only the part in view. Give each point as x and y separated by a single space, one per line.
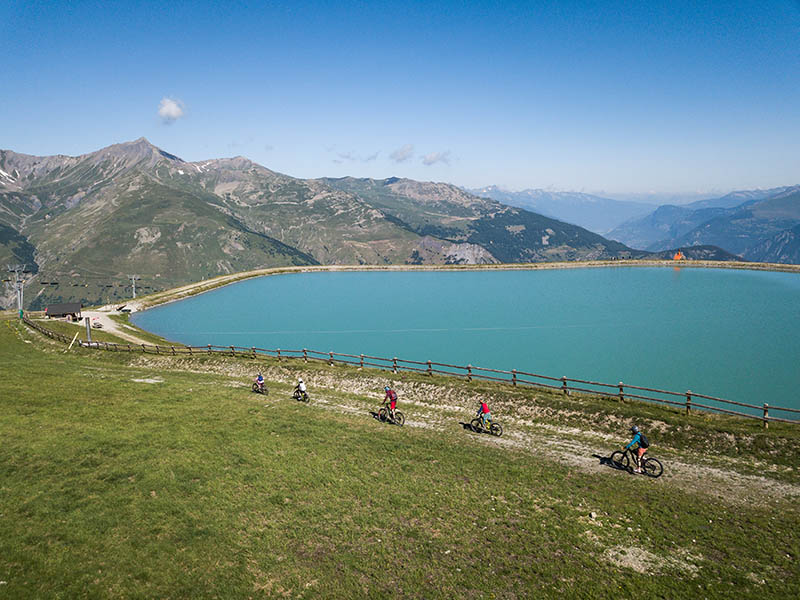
260 388
300 395
494 427
624 460
385 415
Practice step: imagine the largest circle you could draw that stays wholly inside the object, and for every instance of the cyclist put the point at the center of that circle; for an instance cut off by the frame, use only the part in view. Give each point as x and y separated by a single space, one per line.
484 414
260 381
391 396
642 446
300 387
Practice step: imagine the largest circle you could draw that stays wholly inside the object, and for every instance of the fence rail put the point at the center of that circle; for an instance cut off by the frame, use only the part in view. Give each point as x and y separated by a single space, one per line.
514 377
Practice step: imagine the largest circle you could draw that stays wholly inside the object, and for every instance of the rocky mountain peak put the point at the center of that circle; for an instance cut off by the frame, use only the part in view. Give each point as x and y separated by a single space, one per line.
140 150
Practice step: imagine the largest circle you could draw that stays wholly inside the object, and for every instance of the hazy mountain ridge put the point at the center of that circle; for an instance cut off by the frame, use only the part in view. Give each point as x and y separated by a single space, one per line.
595 213
738 222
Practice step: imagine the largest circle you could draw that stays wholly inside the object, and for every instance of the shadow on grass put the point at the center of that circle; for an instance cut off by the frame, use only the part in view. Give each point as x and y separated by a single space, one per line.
378 418
606 460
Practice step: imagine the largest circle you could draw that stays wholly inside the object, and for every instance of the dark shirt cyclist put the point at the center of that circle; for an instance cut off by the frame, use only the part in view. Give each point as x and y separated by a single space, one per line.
641 448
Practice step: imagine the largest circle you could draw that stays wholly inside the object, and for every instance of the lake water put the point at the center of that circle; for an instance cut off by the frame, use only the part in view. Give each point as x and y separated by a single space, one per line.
728 333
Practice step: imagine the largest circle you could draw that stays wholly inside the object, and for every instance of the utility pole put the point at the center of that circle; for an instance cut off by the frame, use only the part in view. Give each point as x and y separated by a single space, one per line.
18 270
133 279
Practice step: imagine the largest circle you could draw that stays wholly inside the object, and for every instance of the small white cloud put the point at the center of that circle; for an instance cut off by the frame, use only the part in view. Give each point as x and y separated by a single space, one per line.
436 157
170 110
402 154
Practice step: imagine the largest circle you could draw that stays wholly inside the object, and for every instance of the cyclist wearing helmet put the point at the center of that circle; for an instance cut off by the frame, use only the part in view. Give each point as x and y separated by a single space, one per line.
391 396
641 448
260 380
299 392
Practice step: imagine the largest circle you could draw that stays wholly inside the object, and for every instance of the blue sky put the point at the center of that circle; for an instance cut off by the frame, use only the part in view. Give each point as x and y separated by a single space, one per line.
613 97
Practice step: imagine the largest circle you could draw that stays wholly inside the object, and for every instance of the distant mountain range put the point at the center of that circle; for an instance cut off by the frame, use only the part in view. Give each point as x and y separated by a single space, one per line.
595 213
758 225
83 224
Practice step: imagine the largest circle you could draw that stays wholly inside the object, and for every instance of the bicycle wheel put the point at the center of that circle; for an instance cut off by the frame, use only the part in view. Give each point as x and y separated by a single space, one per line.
399 418
652 467
496 429
255 387
620 460
382 415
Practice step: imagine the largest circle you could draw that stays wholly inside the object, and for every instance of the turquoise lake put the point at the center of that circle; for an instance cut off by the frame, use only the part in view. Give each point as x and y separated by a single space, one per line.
728 333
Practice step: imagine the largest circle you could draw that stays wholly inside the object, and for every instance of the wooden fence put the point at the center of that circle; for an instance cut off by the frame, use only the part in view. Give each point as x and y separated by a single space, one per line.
687 401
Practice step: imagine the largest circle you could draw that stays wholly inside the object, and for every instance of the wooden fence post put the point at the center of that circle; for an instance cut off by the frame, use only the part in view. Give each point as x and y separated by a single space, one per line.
157 350
253 350
469 372
209 348
430 368
279 355
688 402
305 355
564 385
394 365
514 377
362 362
190 351
621 393
129 348
766 415
233 352
173 350
330 358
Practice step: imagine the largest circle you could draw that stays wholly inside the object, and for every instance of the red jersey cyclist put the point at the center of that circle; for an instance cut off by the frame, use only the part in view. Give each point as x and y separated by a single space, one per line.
391 396
484 414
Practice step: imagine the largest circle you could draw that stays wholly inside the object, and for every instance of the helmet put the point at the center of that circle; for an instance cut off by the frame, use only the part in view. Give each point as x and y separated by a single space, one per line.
386 389
300 380
635 429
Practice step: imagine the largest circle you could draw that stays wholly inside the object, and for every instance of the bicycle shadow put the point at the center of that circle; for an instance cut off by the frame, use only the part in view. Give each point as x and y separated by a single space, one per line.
466 426
606 460
377 417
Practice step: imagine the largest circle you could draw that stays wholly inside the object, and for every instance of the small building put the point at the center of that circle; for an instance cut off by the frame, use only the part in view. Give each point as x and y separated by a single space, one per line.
67 309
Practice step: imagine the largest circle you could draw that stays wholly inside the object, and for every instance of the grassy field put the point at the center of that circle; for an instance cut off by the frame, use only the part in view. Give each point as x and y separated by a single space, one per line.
146 476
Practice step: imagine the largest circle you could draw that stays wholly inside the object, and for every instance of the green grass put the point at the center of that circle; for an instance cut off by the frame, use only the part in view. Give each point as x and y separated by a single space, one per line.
194 487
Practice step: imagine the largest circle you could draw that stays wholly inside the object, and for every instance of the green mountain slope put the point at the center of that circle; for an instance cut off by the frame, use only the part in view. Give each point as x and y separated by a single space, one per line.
510 234
89 222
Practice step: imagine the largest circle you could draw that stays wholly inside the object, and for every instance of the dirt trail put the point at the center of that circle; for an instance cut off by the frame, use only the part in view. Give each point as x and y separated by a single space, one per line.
108 324
442 409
